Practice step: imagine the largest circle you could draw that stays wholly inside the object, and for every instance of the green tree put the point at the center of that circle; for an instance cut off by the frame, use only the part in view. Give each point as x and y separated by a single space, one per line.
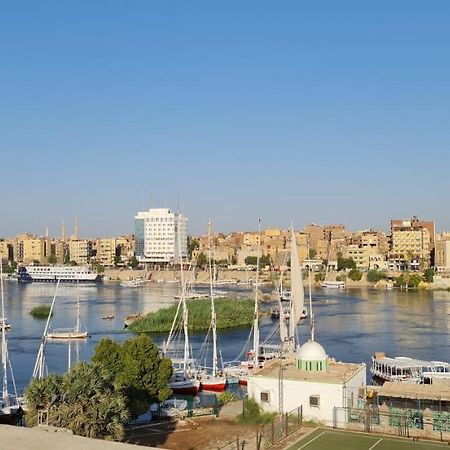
73 263
117 260
355 275
345 263
319 276
414 280
202 260
52 259
312 253
133 262
193 245
251 260
137 369
373 276
264 260
67 257
428 275
83 400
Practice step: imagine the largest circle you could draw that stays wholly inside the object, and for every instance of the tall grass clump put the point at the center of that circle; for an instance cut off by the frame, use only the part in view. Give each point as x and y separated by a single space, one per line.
230 314
252 413
40 312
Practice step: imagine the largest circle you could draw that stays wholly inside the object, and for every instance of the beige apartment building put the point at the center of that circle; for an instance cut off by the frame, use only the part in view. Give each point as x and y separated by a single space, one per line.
80 251
28 249
6 251
411 244
442 252
105 251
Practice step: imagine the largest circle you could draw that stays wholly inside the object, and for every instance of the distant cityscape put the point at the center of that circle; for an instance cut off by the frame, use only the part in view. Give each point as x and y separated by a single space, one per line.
161 236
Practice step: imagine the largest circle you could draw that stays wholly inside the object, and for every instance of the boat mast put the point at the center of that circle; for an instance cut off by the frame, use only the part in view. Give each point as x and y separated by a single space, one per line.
213 309
311 314
39 366
78 310
183 300
5 395
256 312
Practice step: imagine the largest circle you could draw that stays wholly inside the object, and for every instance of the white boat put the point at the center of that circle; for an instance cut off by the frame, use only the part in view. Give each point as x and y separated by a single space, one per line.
65 274
333 284
70 333
407 370
137 282
193 295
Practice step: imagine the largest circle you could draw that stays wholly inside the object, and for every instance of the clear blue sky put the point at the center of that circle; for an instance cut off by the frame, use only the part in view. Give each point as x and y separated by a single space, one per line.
319 111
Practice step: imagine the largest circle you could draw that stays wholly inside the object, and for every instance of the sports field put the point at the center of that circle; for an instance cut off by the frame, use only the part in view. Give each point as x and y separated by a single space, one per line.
322 439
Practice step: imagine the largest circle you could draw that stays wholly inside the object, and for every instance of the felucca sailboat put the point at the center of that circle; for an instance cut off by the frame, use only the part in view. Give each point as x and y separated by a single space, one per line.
213 381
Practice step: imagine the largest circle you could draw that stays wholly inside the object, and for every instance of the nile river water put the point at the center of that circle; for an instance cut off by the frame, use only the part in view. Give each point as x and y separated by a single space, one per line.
351 325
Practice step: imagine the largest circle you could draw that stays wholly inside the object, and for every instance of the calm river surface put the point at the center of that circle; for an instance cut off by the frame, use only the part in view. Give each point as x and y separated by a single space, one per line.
351 325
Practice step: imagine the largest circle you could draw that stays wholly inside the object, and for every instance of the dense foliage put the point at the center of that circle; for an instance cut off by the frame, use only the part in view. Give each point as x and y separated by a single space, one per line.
230 313
373 276
83 400
428 275
408 280
264 261
345 263
137 370
355 275
319 276
40 312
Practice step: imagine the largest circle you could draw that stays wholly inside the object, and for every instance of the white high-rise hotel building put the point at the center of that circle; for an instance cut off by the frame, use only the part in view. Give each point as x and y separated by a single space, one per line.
157 237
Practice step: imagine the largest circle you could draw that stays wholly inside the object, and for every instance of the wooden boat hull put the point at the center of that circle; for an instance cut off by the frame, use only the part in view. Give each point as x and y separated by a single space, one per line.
215 385
67 336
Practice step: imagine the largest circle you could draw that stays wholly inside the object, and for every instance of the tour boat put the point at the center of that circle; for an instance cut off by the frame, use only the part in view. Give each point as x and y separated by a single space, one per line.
65 274
406 370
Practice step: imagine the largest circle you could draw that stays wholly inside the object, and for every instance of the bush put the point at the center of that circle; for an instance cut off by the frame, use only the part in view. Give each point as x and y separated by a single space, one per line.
342 277
40 312
373 276
252 413
319 276
428 275
355 275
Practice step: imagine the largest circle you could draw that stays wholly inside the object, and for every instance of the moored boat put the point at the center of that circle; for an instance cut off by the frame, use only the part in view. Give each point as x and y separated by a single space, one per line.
51 274
406 370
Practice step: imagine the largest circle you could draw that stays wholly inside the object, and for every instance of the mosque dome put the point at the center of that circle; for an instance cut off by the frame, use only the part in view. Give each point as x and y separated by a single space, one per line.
311 351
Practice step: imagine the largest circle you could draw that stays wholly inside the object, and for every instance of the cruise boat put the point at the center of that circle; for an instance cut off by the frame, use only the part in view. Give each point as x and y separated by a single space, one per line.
406 370
51 274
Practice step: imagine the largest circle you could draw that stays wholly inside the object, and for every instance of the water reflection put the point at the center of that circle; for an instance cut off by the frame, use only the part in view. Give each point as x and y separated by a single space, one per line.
351 325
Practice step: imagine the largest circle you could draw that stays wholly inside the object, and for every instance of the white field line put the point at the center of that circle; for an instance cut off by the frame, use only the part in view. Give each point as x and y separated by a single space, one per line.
376 443
313 439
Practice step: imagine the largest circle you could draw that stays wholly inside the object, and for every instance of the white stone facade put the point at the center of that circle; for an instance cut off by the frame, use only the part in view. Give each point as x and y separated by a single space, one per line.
158 232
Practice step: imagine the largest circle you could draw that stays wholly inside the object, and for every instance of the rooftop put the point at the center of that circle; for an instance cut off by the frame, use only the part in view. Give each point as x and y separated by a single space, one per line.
415 391
338 372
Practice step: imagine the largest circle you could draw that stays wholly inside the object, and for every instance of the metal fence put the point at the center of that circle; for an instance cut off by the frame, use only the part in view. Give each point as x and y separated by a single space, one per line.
281 427
397 421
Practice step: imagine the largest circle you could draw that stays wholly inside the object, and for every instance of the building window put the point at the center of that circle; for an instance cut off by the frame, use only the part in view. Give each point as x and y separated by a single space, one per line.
314 401
264 397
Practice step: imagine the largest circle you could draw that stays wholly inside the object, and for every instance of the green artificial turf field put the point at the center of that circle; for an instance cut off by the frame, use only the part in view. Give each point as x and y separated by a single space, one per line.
322 439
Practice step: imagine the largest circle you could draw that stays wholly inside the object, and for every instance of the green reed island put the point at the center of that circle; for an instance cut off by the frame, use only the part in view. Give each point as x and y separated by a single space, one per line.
230 314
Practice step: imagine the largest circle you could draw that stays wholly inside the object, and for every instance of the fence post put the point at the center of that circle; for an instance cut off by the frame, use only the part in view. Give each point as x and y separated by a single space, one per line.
287 424
273 431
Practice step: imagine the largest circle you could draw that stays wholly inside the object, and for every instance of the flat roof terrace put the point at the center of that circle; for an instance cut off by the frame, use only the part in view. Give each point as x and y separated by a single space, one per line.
338 372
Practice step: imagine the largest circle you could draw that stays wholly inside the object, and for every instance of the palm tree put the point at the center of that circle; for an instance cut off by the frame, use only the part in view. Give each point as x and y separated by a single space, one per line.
83 400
